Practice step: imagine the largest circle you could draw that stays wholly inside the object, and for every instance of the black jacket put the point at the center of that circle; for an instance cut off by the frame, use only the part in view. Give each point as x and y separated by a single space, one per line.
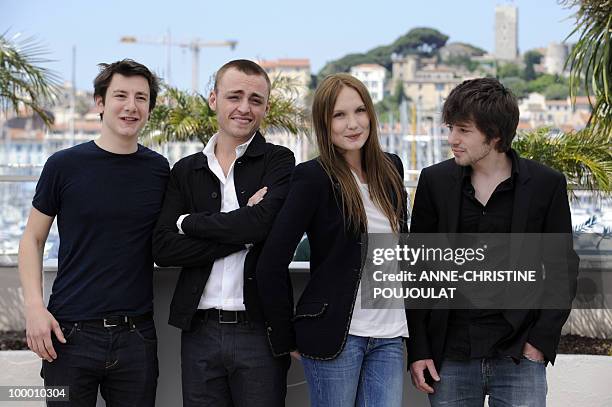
540 206
320 324
209 234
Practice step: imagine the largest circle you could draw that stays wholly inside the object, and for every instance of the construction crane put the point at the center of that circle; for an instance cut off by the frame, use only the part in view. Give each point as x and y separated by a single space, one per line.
194 46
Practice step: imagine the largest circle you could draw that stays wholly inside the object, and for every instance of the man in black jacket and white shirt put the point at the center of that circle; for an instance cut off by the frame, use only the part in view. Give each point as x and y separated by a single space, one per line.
211 227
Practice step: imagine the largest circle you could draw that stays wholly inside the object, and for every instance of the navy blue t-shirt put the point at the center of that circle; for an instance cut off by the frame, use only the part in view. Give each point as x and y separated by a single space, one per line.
106 206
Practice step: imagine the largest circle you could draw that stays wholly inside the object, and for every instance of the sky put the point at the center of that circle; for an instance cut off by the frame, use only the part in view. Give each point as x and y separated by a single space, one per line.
320 30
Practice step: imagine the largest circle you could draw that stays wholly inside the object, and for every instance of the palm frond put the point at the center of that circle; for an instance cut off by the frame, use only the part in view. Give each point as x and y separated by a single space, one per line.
585 157
590 60
23 81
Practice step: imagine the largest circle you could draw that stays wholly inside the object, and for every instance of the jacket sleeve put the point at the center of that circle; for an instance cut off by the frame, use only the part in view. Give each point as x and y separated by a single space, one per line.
173 249
546 331
423 220
272 276
403 199
248 224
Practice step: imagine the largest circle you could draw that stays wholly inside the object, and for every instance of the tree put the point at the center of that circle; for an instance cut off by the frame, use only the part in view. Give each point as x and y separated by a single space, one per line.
23 82
590 60
544 81
516 85
531 58
556 91
184 116
584 157
421 41
509 70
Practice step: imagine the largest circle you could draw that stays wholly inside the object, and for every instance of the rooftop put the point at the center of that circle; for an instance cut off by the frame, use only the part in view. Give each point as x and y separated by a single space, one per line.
285 63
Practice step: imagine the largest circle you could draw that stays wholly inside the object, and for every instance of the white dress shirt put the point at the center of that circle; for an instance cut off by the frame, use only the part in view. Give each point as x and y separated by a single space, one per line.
224 288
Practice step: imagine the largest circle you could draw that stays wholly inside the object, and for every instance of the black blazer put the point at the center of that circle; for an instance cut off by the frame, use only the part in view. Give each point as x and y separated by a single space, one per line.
540 206
319 326
209 234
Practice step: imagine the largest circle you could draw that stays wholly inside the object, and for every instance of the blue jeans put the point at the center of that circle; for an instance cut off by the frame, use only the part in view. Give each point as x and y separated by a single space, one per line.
121 361
368 372
465 383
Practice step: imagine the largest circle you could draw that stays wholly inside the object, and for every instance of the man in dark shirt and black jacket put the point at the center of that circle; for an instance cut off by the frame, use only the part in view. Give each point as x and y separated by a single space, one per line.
487 188
211 228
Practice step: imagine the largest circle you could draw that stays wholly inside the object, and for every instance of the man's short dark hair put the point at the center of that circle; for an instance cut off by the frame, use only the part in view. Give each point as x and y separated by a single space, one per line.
245 66
489 105
125 67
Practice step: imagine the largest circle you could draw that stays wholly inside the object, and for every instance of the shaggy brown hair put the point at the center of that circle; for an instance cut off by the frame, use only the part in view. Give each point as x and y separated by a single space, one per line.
489 105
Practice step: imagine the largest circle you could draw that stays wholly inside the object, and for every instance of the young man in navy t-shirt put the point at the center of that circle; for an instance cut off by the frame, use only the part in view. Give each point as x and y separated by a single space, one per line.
98 330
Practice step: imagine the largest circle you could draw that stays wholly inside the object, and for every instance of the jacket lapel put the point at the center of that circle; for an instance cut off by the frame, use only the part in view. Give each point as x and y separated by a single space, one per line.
520 209
522 199
454 201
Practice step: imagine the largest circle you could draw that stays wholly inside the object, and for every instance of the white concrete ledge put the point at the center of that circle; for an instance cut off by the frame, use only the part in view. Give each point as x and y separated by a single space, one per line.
575 380
20 368
580 380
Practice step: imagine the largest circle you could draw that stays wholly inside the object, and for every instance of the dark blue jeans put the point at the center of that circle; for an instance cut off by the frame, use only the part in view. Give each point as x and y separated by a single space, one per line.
465 383
227 365
121 361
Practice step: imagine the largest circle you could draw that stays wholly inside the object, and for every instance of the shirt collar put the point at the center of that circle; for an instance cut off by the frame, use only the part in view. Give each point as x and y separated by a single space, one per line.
209 149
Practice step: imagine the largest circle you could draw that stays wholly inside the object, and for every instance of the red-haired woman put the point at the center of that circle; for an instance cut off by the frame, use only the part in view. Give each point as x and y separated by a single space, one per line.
351 356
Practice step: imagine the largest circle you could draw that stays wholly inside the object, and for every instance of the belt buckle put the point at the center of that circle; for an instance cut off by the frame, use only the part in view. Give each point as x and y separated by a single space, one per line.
110 324
222 321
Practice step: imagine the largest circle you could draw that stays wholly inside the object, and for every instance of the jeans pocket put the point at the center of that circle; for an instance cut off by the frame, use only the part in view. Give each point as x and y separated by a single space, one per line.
147 334
68 330
527 358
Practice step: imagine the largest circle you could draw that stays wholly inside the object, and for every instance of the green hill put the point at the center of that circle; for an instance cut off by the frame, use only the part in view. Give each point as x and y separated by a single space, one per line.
422 41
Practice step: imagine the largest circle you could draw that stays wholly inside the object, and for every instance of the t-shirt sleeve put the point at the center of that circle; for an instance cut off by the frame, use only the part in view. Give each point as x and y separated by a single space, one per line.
47 196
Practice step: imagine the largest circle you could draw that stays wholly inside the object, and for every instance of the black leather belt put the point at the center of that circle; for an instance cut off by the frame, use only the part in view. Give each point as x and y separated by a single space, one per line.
118 320
222 316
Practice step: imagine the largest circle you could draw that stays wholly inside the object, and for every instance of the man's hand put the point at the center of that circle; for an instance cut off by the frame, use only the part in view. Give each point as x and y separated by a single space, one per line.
295 355
532 353
257 197
417 370
39 325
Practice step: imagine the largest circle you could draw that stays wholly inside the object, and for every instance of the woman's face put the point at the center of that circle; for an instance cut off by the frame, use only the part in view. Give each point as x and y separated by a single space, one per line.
350 127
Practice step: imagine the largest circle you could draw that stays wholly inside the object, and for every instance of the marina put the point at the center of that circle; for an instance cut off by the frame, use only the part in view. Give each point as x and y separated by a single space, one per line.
21 162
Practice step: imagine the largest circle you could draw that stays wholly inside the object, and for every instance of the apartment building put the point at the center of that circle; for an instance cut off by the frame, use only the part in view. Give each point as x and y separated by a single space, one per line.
295 70
373 77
